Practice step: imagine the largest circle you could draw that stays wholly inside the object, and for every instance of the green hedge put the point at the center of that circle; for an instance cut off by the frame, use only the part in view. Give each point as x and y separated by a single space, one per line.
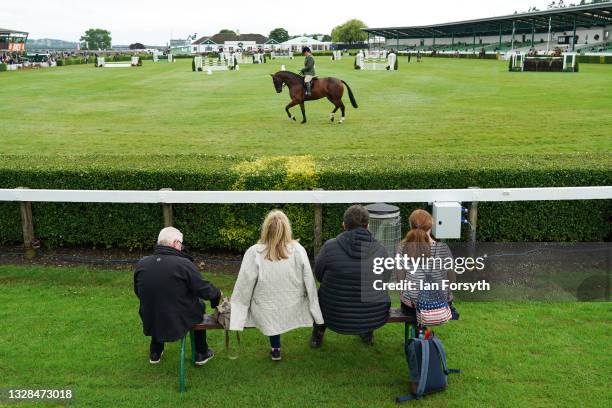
463 56
3 68
595 59
235 227
74 61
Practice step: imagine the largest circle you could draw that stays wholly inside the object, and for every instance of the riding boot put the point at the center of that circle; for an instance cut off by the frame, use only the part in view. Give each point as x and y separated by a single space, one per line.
308 86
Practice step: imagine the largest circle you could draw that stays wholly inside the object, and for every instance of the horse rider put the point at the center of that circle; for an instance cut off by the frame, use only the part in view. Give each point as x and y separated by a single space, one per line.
309 69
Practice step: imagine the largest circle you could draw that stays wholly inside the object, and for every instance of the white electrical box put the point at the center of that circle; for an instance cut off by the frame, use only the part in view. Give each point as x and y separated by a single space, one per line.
446 220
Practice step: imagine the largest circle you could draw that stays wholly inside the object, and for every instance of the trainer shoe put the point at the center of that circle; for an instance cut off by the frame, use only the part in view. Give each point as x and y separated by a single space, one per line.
155 358
275 354
202 358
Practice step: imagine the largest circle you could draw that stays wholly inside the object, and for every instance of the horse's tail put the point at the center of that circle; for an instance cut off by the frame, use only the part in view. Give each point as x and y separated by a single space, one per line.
351 96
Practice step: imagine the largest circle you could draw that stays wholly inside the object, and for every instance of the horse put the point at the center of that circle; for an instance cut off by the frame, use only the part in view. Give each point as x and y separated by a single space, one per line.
330 88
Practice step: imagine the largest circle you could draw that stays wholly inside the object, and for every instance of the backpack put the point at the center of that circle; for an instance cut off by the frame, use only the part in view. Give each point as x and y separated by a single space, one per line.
427 367
432 307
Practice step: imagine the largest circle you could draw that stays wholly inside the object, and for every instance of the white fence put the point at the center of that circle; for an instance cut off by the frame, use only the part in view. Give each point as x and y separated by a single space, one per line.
308 197
167 197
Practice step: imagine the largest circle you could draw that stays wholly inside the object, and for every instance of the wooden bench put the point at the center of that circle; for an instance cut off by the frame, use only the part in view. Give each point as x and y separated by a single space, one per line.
210 323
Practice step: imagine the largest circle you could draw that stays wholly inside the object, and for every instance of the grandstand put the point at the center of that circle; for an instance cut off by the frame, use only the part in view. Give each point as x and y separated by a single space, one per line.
12 40
579 28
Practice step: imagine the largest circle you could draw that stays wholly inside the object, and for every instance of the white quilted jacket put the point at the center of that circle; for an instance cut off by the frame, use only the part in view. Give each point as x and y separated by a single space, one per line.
275 297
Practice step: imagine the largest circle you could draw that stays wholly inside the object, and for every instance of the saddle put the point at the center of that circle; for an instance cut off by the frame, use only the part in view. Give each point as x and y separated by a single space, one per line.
314 78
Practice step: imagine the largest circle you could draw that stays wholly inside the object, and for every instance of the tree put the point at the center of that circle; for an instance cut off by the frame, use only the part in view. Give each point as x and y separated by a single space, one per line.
349 32
226 31
96 39
279 34
137 46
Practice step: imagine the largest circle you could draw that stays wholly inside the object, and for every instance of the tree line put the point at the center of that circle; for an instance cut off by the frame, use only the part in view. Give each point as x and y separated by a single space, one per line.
348 32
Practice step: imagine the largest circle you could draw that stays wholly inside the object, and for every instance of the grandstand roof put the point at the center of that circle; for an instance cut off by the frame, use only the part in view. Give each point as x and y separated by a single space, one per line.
562 19
8 30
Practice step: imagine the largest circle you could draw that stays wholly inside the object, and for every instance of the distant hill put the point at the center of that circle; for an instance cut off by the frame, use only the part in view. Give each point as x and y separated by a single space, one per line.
50 44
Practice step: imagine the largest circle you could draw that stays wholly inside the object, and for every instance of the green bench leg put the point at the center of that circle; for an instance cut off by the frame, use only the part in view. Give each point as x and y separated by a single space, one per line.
182 386
182 367
193 348
409 331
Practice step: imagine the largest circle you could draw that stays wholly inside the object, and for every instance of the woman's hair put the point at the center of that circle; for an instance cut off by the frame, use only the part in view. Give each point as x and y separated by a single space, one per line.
276 235
416 243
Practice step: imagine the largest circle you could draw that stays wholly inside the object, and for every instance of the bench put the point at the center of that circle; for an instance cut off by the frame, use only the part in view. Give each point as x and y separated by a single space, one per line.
210 323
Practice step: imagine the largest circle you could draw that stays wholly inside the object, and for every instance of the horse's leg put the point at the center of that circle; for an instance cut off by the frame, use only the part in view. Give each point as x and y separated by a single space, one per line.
289 106
342 108
336 107
303 108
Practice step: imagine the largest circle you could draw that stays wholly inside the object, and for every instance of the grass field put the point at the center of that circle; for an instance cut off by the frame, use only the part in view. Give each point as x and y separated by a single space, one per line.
466 107
79 329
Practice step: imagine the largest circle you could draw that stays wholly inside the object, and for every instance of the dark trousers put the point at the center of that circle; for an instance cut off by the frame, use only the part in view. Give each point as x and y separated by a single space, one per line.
275 341
201 345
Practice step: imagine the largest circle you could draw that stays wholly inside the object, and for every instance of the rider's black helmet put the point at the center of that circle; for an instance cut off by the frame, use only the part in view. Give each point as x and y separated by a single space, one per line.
305 50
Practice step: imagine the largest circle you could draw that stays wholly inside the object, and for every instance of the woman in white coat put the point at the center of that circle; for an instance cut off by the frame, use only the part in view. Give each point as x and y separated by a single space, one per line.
275 290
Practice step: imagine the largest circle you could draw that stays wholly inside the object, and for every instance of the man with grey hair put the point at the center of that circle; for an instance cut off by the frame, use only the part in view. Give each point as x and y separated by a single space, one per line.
170 287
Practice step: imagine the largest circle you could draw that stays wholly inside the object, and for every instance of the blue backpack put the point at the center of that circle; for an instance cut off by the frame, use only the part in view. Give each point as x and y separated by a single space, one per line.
427 366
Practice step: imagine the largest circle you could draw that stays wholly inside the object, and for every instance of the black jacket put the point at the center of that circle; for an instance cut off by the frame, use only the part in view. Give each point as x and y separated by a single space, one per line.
347 299
170 287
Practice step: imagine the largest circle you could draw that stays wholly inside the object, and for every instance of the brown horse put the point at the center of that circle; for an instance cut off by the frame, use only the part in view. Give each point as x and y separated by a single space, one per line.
330 88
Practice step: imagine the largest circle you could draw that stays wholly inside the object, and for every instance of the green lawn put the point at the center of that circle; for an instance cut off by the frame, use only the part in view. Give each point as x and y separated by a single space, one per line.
439 106
79 329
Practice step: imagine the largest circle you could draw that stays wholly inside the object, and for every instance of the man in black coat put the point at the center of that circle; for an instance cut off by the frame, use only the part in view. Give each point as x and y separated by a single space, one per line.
170 287
348 301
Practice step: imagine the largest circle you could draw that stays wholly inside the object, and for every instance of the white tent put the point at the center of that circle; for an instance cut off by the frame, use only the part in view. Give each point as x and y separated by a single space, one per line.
296 44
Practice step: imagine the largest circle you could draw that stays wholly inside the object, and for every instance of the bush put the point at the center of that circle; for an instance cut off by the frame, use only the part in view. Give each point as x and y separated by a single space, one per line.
595 59
464 56
3 68
235 227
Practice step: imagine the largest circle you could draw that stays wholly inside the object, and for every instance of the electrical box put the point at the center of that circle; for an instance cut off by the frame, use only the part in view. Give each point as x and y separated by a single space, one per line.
446 220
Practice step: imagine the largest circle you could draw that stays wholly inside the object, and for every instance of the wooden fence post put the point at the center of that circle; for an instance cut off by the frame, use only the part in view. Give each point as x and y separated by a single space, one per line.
318 228
27 225
473 219
167 210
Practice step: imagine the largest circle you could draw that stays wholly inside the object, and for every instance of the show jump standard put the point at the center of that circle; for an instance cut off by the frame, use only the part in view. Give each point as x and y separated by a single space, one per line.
305 205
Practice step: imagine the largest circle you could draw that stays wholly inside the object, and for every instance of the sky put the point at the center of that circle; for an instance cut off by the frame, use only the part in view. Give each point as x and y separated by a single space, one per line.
153 22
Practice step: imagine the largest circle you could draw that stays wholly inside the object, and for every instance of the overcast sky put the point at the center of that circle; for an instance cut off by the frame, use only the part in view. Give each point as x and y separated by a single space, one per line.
152 22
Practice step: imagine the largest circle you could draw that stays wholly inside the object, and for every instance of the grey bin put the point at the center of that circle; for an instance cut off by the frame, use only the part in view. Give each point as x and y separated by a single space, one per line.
385 225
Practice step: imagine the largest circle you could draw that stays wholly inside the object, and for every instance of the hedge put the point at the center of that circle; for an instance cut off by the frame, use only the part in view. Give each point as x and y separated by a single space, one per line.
3 68
595 59
74 61
235 227
463 56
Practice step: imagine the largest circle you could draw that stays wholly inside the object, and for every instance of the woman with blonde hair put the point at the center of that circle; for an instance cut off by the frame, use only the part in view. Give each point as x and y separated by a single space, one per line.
426 264
275 290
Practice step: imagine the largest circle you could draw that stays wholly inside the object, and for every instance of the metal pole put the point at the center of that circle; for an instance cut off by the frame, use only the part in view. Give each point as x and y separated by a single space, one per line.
513 32
434 42
549 34
474 44
574 37
532 34
453 40
500 37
